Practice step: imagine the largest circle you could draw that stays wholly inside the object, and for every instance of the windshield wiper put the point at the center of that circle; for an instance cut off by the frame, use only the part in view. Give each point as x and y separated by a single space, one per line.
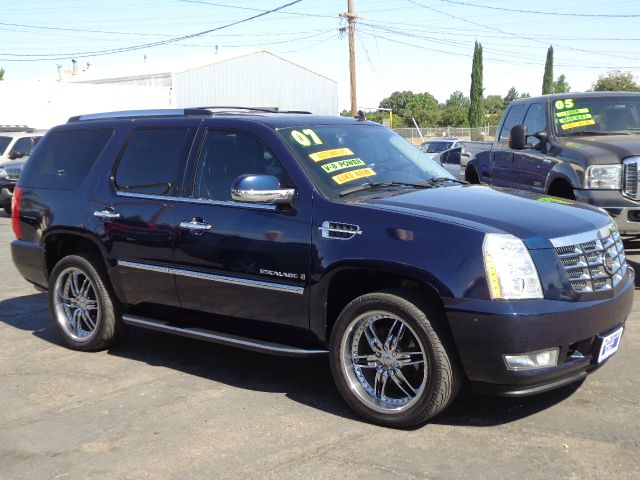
594 132
368 185
431 181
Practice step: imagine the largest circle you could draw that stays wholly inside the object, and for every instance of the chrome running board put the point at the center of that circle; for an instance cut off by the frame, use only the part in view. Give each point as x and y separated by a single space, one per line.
221 338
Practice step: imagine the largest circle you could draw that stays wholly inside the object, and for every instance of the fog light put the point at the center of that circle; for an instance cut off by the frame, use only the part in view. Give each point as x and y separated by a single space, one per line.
531 360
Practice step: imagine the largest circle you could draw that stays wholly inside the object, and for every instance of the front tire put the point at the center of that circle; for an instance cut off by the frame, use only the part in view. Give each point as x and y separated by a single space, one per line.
390 360
86 314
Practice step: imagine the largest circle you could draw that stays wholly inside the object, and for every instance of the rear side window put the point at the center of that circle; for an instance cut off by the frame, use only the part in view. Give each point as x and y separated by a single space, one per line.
153 161
63 159
4 143
512 118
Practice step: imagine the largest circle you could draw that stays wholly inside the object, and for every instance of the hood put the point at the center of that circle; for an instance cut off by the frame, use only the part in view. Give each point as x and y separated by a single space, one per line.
533 218
601 149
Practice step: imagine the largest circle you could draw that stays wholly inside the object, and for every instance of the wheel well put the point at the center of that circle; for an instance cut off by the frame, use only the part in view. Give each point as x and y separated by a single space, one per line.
349 284
561 188
471 175
59 245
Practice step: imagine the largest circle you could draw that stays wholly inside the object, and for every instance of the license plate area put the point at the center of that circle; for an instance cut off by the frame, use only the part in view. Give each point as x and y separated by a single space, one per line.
609 344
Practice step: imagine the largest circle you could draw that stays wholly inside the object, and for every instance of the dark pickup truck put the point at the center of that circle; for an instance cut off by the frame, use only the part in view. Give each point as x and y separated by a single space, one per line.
578 146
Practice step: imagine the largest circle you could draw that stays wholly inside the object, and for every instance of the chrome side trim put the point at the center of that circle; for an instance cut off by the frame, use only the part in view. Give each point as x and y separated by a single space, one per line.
144 266
339 230
279 287
197 201
584 237
221 338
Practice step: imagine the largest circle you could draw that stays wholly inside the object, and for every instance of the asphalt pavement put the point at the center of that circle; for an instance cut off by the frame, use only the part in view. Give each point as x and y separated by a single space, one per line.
159 406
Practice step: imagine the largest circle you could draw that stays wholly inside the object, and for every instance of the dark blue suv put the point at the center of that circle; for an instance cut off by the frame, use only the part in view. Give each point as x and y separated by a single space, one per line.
300 235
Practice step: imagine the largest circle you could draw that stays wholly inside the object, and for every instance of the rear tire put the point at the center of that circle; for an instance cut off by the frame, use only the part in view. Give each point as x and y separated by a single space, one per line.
86 313
471 176
391 361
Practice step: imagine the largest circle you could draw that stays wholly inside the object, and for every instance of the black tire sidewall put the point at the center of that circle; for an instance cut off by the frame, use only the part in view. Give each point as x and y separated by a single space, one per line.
423 409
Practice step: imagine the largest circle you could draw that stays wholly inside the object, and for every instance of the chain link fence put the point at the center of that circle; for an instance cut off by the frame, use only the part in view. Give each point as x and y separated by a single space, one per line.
433 133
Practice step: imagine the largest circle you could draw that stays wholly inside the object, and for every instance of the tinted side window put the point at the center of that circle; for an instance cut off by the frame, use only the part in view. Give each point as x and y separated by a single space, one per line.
63 159
536 121
512 118
153 161
225 156
454 156
22 147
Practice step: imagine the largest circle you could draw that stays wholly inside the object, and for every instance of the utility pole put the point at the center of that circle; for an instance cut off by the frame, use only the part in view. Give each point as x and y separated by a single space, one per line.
351 18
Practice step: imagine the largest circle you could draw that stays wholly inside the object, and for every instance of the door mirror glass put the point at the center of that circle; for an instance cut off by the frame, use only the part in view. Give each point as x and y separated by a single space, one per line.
261 189
518 137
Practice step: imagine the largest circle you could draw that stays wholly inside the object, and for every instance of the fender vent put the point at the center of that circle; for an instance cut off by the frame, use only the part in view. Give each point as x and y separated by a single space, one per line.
339 231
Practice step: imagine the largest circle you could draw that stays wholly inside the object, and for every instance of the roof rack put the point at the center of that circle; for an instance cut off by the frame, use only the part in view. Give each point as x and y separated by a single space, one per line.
15 128
232 109
167 112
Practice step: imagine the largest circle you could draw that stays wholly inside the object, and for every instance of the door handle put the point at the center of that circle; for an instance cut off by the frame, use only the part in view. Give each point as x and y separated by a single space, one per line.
107 213
195 225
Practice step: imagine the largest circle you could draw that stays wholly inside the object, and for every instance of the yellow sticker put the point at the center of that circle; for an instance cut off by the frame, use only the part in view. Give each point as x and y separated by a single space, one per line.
327 154
575 111
582 123
353 175
342 164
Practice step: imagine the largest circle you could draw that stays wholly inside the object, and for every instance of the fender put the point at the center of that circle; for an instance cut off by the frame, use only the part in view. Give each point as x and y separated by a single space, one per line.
319 290
564 171
482 164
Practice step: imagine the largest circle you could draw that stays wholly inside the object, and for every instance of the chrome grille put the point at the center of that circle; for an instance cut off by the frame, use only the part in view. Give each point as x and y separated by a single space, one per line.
594 261
13 173
630 176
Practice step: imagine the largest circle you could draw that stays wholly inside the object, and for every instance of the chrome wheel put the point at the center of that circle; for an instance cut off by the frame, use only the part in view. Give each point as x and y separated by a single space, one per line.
384 361
77 309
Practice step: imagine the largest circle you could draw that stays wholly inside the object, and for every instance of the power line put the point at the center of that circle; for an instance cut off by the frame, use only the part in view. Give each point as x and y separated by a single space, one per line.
40 57
203 2
537 12
516 35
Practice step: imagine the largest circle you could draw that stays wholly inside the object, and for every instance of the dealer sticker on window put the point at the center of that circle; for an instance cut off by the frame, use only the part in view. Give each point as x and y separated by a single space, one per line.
610 345
353 175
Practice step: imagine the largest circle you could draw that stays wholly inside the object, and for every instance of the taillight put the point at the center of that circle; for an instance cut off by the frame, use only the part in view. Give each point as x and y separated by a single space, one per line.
15 211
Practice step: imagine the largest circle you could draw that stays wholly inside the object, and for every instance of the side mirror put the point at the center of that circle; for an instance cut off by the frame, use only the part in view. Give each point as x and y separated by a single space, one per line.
542 136
16 155
518 137
261 189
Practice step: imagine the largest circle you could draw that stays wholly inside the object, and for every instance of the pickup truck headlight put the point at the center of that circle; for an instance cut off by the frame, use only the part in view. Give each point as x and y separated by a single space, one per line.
511 273
604 176
3 173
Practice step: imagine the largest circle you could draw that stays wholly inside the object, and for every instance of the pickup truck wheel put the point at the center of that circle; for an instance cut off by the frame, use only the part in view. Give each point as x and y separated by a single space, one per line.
86 314
389 362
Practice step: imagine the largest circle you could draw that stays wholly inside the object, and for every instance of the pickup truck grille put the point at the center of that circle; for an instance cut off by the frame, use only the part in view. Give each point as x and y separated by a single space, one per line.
13 173
594 261
630 177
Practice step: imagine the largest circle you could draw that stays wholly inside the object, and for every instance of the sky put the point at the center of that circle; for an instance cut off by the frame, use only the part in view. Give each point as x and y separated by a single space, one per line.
417 45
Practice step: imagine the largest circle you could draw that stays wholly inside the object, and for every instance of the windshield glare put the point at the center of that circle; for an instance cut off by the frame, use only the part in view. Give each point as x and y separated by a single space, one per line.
337 157
4 143
598 115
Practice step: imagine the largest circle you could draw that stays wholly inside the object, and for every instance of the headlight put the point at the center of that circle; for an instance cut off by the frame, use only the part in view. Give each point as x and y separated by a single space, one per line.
511 273
3 173
604 176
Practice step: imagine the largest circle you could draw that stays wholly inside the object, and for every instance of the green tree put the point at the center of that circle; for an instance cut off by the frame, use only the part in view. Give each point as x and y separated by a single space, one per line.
512 95
476 106
547 79
561 85
457 100
524 95
1 74
616 81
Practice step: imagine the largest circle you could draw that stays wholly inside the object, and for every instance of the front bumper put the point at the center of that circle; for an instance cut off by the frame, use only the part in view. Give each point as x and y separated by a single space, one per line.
624 211
485 330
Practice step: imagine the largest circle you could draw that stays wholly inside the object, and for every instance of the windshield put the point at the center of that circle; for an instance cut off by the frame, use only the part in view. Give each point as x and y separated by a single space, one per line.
339 157
597 115
436 147
4 143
